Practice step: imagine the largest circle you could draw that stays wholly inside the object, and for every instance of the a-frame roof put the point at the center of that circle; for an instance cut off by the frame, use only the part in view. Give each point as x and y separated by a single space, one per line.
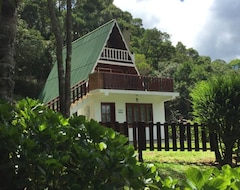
85 53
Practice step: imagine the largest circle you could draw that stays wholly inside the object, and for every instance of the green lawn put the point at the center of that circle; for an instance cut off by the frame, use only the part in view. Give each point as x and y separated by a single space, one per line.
175 163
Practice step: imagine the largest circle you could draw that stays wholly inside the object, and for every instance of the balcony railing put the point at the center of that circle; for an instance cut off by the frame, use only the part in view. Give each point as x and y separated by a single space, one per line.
119 55
101 80
77 93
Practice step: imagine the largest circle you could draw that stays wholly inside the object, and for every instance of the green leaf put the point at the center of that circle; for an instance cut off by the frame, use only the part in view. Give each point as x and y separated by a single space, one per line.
218 183
102 146
196 177
29 144
42 127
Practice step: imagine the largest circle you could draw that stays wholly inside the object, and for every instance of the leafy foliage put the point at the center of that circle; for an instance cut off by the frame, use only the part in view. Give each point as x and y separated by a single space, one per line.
41 149
216 103
226 178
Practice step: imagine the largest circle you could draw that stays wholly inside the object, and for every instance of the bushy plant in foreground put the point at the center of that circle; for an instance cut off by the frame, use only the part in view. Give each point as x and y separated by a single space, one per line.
41 149
213 178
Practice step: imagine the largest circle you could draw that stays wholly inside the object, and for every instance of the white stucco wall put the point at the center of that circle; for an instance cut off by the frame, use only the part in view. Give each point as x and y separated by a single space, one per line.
92 106
120 101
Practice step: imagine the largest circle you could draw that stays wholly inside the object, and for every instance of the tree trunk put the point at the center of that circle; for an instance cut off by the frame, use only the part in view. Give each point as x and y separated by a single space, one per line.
8 23
68 58
228 153
218 155
59 46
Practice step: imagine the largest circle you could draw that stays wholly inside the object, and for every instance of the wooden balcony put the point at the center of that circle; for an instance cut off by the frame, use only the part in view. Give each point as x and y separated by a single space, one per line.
101 80
111 54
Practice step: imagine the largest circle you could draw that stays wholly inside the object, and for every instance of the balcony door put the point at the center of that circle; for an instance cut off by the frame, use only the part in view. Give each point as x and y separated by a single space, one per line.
139 112
108 112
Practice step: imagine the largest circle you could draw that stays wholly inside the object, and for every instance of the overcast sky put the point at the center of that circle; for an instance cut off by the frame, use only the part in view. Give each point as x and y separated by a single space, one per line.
212 27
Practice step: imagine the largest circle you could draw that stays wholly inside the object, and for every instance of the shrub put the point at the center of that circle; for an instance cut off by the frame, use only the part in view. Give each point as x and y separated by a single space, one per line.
216 102
213 178
41 149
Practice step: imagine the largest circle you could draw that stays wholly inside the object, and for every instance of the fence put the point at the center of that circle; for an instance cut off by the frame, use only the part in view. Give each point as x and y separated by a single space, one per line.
165 136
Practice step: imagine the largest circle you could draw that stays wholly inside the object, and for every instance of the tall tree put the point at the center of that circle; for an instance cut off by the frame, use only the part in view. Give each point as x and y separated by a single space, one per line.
8 23
156 46
64 75
59 47
68 58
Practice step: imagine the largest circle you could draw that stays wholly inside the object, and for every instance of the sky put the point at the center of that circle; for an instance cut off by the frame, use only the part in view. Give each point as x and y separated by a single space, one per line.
212 27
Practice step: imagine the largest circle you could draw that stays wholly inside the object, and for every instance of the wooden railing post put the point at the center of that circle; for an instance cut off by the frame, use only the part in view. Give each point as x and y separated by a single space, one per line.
189 137
134 127
196 136
159 136
141 140
174 136
151 137
182 136
204 138
125 130
166 136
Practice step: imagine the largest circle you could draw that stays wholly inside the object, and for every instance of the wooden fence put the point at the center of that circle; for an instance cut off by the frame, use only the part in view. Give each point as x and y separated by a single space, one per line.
165 136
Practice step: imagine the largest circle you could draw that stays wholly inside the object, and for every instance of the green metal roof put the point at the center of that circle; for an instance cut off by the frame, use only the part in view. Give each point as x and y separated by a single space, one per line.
85 53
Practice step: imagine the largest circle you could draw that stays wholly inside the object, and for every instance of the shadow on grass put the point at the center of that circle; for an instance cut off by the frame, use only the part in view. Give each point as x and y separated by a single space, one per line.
176 170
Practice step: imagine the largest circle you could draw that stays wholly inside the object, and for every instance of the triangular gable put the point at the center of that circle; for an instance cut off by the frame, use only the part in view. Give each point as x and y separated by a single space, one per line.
116 41
85 53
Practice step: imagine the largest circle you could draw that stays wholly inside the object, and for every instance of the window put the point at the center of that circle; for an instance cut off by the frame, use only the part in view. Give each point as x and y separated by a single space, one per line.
139 112
107 112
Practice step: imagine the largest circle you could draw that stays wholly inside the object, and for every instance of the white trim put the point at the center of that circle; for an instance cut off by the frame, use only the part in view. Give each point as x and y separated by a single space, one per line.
136 92
116 63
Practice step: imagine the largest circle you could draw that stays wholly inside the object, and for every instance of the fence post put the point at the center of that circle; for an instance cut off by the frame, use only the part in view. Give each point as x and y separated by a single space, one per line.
141 140
134 127
116 127
159 136
204 138
189 137
174 136
166 136
125 129
196 136
151 138
182 136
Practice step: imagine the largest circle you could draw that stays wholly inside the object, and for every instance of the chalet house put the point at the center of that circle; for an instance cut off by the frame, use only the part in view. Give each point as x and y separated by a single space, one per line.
105 83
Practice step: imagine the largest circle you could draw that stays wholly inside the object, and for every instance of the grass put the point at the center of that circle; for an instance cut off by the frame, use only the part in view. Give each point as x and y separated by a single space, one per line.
175 163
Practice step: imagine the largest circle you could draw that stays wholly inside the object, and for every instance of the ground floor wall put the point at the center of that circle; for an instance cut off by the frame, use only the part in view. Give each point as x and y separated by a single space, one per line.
92 110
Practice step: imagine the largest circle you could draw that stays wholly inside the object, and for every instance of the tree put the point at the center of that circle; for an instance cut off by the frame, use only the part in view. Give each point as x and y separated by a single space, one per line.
64 75
216 103
30 54
59 47
156 46
235 64
68 58
8 22
142 65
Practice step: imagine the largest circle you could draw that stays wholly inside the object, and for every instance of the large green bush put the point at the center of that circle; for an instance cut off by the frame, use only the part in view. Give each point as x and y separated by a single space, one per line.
41 149
216 102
